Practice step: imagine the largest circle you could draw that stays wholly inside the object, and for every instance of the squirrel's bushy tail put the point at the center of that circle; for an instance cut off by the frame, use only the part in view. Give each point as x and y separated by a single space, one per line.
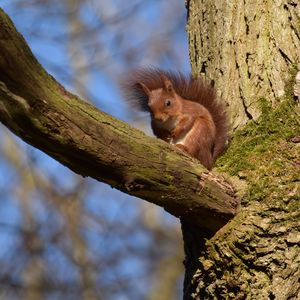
197 90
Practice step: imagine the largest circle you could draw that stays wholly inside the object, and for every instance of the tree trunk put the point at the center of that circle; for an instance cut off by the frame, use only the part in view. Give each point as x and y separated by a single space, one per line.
251 50
247 47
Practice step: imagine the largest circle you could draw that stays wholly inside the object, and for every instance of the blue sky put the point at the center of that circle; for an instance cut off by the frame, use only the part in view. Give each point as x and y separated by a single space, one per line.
105 95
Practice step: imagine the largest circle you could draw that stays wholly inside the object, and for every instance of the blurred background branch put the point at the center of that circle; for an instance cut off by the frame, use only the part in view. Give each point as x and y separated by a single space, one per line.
57 240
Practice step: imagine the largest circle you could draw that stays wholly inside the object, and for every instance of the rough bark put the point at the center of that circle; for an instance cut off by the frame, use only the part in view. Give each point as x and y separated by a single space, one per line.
91 143
250 49
246 47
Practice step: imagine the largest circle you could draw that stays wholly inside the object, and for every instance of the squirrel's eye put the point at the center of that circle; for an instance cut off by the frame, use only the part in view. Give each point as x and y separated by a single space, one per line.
168 102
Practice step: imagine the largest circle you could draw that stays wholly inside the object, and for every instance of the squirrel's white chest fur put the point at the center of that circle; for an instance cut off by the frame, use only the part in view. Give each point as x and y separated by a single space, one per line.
169 125
182 138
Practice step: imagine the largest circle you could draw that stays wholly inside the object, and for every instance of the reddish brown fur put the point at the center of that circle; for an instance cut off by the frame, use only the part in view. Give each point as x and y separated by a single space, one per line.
199 111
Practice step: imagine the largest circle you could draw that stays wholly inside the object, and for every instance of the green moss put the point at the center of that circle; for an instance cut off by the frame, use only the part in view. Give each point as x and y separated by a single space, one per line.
289 86
264 106
264 154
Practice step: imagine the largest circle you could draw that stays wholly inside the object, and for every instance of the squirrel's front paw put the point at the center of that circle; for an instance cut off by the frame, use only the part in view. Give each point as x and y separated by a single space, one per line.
174 134
182 147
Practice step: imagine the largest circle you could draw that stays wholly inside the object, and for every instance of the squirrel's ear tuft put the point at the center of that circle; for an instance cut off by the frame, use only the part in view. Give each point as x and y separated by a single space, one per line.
144 88
168 85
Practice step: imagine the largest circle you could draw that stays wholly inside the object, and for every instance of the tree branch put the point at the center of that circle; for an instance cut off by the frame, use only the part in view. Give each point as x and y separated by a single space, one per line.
91 143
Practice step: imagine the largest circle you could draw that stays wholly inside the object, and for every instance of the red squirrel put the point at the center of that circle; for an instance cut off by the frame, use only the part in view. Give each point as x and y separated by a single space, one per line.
184 111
